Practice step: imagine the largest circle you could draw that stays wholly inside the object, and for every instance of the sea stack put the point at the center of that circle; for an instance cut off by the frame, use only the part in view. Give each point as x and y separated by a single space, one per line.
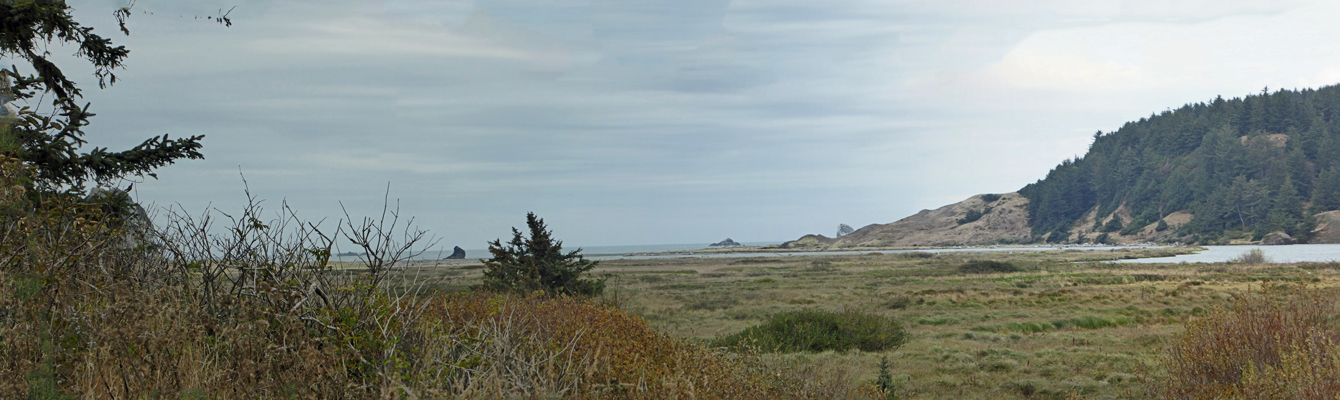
726 243
457 254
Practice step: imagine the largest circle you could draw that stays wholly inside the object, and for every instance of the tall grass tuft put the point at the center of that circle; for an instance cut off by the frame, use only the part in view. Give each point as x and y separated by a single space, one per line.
1277 343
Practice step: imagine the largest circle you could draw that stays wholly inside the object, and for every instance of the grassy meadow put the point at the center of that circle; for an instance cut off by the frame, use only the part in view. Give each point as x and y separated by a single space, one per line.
1066 323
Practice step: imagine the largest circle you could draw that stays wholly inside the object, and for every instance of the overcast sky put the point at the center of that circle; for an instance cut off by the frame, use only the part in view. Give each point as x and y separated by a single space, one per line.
666 121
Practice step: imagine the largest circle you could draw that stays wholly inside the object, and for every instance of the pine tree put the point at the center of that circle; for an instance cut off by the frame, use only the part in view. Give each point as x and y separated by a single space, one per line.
1287 212
1326 191
537 263
53 144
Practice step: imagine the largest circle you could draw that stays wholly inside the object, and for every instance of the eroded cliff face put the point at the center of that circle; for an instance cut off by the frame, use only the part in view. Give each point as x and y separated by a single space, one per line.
1007 219
1328 228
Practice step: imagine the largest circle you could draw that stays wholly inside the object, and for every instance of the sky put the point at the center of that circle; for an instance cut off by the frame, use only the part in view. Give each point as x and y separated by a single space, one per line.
663 121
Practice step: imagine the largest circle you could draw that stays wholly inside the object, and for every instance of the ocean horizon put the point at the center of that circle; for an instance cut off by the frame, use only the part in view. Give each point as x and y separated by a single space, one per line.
588 250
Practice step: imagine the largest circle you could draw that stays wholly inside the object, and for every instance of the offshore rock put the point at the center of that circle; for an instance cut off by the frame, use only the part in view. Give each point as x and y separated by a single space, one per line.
726 243
457 254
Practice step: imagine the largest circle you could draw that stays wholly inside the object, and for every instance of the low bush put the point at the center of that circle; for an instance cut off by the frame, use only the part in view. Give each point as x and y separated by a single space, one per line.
898 302
814 330
973 215
1277 343
1253 256
988 267
917 254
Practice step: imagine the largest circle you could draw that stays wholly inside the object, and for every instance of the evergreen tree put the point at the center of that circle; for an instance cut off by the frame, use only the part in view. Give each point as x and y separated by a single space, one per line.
537 263
1287 211
54 144
1235 164
1326 192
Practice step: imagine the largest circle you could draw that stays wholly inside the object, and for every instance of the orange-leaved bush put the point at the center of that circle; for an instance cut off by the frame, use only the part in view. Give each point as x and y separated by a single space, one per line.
1276 343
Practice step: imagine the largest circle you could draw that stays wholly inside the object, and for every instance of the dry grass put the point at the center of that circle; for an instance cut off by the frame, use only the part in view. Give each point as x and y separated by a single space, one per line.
1065 326
259 313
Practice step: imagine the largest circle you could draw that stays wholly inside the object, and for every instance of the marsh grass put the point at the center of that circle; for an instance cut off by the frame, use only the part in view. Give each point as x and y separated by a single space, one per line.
1099 328
813 330
988 267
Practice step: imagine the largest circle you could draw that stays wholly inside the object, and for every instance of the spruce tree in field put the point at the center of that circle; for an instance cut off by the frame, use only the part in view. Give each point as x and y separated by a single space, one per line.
52 141
538 263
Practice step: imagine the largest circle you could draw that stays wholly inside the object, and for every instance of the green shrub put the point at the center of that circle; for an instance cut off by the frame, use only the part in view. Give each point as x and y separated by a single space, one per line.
899 302
1113 224
1132 229
917 254
973 215
819 330
988 267
990 198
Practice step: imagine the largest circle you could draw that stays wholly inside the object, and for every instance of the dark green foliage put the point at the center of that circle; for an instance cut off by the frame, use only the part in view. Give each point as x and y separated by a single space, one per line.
1162 226
973 215
1326 192
538 263
990 198
1103 239
1242 164
899 302
1112 225
53 143
818 330
1058 236
988 267
884 381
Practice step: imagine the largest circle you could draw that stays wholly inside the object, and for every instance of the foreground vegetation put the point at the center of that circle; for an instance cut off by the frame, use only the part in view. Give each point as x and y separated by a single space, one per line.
1016 324
90 309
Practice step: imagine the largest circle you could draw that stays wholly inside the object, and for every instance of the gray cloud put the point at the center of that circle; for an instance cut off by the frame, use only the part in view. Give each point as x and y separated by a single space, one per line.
667 121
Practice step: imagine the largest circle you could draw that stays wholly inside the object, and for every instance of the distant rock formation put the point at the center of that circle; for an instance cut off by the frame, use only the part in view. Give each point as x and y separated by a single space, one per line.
1005 222
1277 238
726 243
457 254
844 229
136 227
1328 228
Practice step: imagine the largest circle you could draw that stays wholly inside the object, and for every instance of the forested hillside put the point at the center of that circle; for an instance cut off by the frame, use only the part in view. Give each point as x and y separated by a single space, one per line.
1245 166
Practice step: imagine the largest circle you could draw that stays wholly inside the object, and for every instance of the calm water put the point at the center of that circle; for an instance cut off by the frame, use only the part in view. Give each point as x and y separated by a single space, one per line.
691 250
692 254
1279 254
